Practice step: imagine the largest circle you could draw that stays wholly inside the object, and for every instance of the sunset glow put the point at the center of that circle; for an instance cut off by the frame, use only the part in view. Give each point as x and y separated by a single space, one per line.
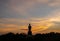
43 15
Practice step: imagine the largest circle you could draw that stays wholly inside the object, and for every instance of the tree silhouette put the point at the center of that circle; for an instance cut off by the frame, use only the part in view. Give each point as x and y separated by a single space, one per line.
23 37
29 37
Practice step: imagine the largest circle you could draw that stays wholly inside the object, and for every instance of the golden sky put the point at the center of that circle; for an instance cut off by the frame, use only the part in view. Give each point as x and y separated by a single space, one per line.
15 15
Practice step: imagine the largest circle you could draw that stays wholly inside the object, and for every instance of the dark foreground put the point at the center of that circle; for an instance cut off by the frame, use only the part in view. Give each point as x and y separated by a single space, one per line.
38 37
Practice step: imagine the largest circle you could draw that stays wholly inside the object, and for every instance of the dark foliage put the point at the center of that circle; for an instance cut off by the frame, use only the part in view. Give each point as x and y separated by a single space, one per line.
23 37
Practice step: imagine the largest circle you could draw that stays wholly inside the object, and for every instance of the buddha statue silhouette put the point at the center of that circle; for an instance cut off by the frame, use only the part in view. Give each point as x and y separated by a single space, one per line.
29 29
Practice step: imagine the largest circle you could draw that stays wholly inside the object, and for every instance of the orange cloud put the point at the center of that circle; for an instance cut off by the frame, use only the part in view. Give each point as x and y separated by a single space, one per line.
9 29
38 24
54 16
8 25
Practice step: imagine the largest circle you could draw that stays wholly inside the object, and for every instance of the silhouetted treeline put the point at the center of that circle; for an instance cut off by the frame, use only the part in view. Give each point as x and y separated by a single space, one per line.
23 37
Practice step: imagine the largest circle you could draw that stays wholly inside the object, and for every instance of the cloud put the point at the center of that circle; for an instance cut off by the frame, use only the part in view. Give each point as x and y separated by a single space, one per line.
54 15
22 6
54 3
10 23
13 20
38 24
9 29
52 18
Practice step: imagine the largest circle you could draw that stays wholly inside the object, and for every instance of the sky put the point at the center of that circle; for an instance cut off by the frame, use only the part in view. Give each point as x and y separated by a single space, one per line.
43 15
